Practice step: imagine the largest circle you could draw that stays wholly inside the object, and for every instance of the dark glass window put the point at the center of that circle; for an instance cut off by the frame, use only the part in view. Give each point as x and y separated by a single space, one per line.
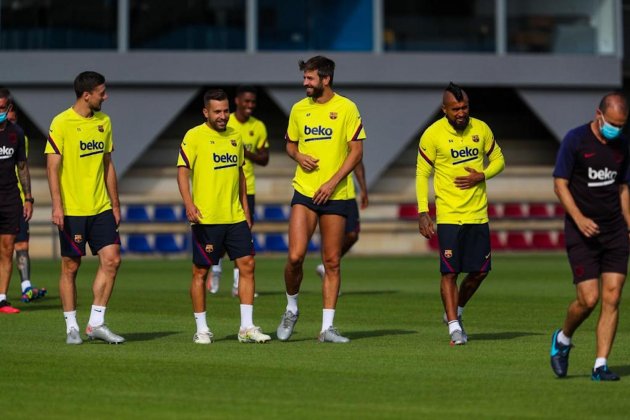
332 25
438 25
58 24
187 24
561 26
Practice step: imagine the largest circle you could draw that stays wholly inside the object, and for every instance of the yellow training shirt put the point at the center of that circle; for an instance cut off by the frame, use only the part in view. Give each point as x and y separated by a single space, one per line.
449 152
323 131
82 143
254 136
214 158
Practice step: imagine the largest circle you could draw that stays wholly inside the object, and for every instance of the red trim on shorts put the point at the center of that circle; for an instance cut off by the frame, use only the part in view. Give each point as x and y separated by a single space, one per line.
450 267
203 252
72 244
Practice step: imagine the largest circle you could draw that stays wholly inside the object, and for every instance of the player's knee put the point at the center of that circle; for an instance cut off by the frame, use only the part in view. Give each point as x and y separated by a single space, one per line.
111 262
70 266
332 264
295 259
246 265
589 301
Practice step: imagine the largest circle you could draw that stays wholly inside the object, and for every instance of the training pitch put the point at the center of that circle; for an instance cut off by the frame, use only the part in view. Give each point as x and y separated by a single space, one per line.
398 365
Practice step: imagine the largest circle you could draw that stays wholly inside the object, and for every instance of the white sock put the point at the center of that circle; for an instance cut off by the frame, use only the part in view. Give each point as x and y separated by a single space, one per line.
328 316
600 361
236 276
71 320
97 316
200 320
216 269
3 297
292 303
25 285
563 339
460 311
454 326
247 312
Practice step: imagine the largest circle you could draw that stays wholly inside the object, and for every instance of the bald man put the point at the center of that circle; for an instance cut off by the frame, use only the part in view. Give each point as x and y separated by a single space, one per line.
454 148
591 181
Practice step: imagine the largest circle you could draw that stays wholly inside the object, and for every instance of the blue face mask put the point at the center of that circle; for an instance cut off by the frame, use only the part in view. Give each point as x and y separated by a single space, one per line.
609 131
3 116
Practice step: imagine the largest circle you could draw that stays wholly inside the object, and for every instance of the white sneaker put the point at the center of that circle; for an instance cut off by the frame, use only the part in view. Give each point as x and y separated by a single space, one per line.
213 286
204 337
321 271
252 335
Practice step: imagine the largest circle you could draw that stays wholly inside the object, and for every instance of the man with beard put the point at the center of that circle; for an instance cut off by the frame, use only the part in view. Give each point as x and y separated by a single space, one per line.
254 136
454 147
211 158
324 137
85 204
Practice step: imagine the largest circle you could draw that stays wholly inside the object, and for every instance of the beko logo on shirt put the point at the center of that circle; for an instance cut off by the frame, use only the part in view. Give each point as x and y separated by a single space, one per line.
601 177
6 152
324 133
318 131
228 159
466 154
92 147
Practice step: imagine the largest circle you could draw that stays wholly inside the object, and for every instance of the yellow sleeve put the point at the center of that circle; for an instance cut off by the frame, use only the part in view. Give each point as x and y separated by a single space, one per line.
55 141
293 131
109 141
263 143
354 125
187 153
496 162
424 166
241 151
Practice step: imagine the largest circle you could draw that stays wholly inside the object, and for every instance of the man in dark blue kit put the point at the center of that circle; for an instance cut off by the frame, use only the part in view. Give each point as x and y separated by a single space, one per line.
12 156
591 180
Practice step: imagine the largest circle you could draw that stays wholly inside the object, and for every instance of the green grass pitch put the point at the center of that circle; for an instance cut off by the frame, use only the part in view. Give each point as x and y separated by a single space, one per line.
398 365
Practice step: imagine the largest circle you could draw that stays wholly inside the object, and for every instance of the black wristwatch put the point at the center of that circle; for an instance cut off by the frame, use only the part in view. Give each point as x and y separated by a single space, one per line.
30 200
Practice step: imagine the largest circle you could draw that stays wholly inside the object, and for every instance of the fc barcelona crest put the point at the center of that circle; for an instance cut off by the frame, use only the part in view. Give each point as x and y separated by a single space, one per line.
78 238
233 143
209 248
475 138
448 253
333 115
251 133
100 128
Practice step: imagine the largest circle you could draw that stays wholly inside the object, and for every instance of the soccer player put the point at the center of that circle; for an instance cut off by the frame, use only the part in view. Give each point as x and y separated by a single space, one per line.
22 258
454 148
353 221
213 155
85 205
325 137
591 181
254 136
12 157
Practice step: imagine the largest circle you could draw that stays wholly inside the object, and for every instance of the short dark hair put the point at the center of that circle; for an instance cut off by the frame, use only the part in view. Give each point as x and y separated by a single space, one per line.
324 66
87 81
246 89
5 93
214 95
457 91
607 101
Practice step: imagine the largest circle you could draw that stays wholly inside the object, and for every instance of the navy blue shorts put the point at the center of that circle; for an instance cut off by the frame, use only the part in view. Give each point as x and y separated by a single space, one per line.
210 242
590 257
339 207
98 231
464 248
10 218
24 233
353 221
251 202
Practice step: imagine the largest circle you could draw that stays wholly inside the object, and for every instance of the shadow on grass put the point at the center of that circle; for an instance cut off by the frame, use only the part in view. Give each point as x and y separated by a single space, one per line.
507 335
623 370
32 307
357 335
148 336
343 293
